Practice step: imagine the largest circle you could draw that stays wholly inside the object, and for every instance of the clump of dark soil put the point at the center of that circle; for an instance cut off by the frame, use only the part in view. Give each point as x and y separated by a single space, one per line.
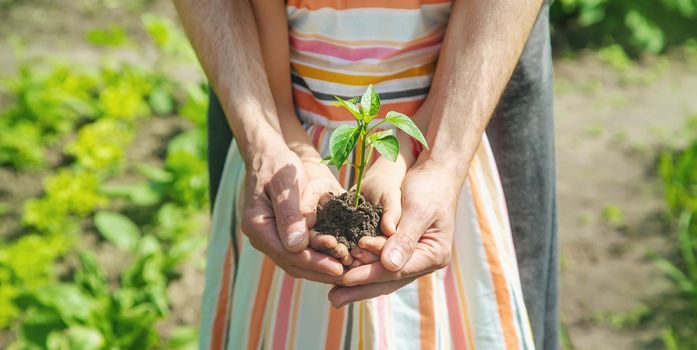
339 218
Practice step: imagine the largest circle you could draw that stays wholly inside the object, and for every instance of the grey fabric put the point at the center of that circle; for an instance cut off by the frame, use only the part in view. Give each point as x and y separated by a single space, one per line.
219 139
521 134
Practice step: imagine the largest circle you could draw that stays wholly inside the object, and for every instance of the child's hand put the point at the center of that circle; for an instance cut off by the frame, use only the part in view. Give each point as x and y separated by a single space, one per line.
320 186
368 250
382 185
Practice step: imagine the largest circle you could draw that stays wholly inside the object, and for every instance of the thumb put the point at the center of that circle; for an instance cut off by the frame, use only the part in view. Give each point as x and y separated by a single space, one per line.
391 211
400 246
292 229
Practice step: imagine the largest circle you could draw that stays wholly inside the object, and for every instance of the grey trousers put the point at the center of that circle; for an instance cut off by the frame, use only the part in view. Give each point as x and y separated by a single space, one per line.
521 134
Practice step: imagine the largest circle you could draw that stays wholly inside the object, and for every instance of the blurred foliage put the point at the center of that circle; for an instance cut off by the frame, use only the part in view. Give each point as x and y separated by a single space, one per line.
88 116
636 26
678 170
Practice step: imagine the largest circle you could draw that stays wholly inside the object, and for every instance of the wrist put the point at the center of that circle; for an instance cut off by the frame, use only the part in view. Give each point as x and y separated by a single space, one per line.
264 147
456 167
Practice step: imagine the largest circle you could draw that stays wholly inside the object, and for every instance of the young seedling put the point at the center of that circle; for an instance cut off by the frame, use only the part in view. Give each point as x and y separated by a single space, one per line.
345 137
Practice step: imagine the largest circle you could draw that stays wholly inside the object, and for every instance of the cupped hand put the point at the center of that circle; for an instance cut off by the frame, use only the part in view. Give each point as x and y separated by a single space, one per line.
421 244
382 185
273 220
321 185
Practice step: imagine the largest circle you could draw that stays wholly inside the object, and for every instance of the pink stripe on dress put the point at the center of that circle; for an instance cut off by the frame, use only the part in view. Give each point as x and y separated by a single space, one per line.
284 301
454 311
358 53
382 322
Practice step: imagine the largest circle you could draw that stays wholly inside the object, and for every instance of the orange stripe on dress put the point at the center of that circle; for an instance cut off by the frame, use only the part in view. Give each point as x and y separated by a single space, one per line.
351 79
427 318
460 289
257 318
222 310
343 5
335 328
495 267
305 101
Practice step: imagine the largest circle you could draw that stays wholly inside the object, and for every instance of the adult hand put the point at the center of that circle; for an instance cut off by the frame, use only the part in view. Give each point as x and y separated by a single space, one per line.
422 242
272 218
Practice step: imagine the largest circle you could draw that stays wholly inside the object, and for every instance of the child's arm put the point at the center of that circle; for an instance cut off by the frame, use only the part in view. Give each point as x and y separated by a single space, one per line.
272 24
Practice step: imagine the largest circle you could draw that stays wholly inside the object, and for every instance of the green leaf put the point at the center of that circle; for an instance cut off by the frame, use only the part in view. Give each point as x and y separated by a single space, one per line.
154 173
161 101
76 338
341 143
350 106
405 124
388 146
183 338
117 229
370 102
378 135
327 160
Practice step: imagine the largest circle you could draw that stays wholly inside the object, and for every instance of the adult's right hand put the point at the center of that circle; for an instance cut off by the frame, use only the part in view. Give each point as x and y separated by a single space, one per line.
272 218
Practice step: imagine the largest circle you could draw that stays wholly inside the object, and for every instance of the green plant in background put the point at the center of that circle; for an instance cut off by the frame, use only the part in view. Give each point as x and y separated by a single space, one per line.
345 137
100 146
636 26
678 170
112 36
45 106
24 264
613 216
70 195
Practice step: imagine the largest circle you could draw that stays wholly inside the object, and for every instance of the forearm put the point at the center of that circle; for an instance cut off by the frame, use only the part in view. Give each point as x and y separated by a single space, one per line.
272 26
483 43
224 36
296 138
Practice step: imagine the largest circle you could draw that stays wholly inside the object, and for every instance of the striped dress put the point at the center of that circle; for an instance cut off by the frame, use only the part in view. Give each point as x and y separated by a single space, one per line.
338 47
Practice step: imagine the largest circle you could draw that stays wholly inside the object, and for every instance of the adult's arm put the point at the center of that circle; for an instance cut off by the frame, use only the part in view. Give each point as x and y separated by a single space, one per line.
483 43
224 35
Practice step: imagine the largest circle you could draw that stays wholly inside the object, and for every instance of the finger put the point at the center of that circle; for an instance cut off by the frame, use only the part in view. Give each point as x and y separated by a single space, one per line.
391 211
355 264
373 244
347 261
364 256
419 264
322 243
285 199
400 246
312 276
340 252
309 259
261 231
341 296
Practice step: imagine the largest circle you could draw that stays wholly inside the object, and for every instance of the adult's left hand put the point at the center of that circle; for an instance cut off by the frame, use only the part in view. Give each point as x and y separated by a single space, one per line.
422 243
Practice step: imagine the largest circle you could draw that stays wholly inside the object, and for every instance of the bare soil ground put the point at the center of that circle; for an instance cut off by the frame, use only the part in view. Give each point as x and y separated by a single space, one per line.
608 132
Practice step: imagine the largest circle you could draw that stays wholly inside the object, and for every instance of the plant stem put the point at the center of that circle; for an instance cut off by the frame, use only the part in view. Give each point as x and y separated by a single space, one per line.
361 167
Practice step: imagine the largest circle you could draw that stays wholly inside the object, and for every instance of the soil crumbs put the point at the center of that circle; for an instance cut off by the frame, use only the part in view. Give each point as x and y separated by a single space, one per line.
339 218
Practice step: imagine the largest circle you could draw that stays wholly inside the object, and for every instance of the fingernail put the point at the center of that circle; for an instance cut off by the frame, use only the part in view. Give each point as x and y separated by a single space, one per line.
295 238
395 257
